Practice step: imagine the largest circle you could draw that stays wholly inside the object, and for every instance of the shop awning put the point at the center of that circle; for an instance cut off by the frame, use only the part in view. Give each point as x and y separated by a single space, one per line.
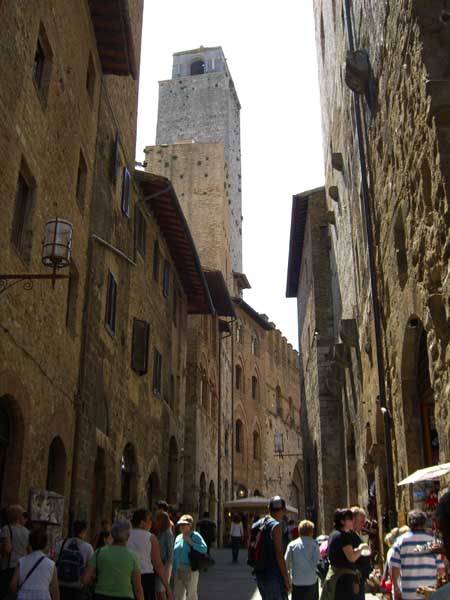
427 474
253 503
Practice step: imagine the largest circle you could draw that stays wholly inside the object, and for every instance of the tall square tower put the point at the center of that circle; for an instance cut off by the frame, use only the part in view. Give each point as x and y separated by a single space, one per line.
200 104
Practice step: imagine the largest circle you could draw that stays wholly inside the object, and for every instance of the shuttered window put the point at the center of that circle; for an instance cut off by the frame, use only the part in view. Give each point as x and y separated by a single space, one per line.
157 372
139 348
111 303
166 279
125 204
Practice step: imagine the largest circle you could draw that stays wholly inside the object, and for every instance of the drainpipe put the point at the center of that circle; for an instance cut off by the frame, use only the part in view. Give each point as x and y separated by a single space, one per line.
391 507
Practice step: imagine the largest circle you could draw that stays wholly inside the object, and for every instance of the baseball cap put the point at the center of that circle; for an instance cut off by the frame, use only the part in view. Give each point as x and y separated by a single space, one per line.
185 520
277 503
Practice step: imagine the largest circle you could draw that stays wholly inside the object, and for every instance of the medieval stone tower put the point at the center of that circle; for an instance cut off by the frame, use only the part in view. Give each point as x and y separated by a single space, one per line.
200 104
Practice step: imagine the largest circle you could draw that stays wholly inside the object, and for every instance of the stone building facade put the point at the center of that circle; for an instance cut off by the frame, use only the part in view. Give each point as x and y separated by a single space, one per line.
382 73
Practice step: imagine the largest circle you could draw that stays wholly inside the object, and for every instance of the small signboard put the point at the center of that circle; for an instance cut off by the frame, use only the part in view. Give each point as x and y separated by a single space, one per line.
46 507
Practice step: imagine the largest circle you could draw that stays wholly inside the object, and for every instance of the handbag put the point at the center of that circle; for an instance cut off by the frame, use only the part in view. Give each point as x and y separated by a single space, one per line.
14 595
200 561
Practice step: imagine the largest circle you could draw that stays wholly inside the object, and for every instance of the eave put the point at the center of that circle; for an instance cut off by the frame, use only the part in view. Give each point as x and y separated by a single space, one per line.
253 314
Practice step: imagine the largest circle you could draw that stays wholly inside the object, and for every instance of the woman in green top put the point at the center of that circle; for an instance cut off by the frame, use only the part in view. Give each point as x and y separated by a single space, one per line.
115 569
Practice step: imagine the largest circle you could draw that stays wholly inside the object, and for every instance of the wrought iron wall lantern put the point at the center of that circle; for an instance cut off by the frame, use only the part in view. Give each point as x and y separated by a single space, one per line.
56 254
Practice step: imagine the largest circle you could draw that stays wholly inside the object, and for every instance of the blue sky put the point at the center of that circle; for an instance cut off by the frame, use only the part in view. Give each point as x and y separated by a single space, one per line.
270 49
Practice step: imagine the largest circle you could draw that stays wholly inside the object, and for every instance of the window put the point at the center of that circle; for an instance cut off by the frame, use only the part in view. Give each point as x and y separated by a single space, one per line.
157 372
139 347
72 297
111 304
81 180
114 161
140 232
239 333
156 261
42 65
90 78
238 375
226 444
255 345
21 227
125 203
256 451
254 387
166 279
239 436
198 67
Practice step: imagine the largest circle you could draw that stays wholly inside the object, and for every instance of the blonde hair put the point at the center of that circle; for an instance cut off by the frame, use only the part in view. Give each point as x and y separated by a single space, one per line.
306 527
357 510
394 534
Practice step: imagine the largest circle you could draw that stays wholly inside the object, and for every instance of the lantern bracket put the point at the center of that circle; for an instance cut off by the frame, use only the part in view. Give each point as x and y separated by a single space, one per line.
7 281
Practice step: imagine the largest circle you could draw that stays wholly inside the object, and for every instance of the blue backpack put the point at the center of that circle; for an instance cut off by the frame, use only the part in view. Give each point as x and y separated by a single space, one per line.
70 564
260 551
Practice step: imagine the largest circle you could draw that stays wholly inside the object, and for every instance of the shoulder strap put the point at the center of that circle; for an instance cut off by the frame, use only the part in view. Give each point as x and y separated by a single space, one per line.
61 551
31 571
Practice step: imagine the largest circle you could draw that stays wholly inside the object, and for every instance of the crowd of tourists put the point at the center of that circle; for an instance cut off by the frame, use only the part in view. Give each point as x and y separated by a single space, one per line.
158 559
144 559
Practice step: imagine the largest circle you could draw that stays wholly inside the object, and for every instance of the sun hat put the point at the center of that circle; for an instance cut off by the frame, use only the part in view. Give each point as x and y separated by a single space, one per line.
185 520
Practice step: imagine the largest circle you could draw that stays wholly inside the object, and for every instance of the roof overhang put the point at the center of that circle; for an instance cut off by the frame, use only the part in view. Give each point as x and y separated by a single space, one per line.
256 316
113 32
298 222
160 198
218 290
241 280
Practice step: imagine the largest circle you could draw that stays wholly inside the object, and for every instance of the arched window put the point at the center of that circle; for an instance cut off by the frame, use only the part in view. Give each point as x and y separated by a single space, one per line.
128 468
256 446
255 345
56 469
226 443
255 388
278 401
239 436
238 377
239 332
198 67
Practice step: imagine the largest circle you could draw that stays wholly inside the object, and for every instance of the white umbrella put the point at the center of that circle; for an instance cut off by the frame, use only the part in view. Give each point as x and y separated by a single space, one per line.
253 503
427 474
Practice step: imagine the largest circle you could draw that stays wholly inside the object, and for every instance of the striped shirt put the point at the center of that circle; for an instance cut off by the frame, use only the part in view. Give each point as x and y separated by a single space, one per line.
416 569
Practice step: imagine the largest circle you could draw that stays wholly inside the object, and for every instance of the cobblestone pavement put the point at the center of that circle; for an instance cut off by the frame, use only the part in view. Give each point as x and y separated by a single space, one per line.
228 581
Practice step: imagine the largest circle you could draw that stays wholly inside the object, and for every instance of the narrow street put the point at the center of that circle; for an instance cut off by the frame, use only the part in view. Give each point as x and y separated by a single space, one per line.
228 581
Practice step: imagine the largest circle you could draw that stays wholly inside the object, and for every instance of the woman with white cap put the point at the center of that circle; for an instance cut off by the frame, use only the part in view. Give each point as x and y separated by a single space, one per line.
186 580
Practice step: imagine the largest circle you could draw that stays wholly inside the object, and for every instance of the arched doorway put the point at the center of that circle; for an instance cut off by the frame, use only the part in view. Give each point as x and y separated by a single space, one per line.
153 490
98 489
172 475
11 449
422 442
202 495
296 486
56 468
128 477
212 501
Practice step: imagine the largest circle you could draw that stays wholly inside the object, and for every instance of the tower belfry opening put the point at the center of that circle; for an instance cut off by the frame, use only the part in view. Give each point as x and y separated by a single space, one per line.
198 67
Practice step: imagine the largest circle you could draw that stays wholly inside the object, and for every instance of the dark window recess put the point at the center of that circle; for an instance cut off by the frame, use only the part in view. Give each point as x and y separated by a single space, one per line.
72 297
90 78
400 249
42 65
38 65
111 303
239 433
114 164
140 232
125 204
254 388
157 372
81 180
166 279
156 261
238 376
139 349
175 308
21 227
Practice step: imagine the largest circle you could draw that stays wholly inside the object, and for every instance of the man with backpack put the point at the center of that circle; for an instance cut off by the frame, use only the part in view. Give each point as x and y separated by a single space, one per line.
265 553
73 554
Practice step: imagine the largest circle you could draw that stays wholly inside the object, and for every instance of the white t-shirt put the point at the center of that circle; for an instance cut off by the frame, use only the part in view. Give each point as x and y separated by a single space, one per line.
140 541
38 583
19 541
236 529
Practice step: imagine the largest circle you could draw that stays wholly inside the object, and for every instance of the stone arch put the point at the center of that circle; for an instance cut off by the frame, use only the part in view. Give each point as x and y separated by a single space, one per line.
421 438
212 503
198 66
296 485
56 467
202 494
129 471
153 489
12 433
172 475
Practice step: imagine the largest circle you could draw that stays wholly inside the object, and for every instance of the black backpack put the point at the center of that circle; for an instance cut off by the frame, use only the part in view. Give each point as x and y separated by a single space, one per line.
259 547
70 564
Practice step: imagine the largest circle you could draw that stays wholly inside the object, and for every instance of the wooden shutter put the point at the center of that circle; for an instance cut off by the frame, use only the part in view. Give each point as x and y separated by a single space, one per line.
126 192
139 349
157 370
